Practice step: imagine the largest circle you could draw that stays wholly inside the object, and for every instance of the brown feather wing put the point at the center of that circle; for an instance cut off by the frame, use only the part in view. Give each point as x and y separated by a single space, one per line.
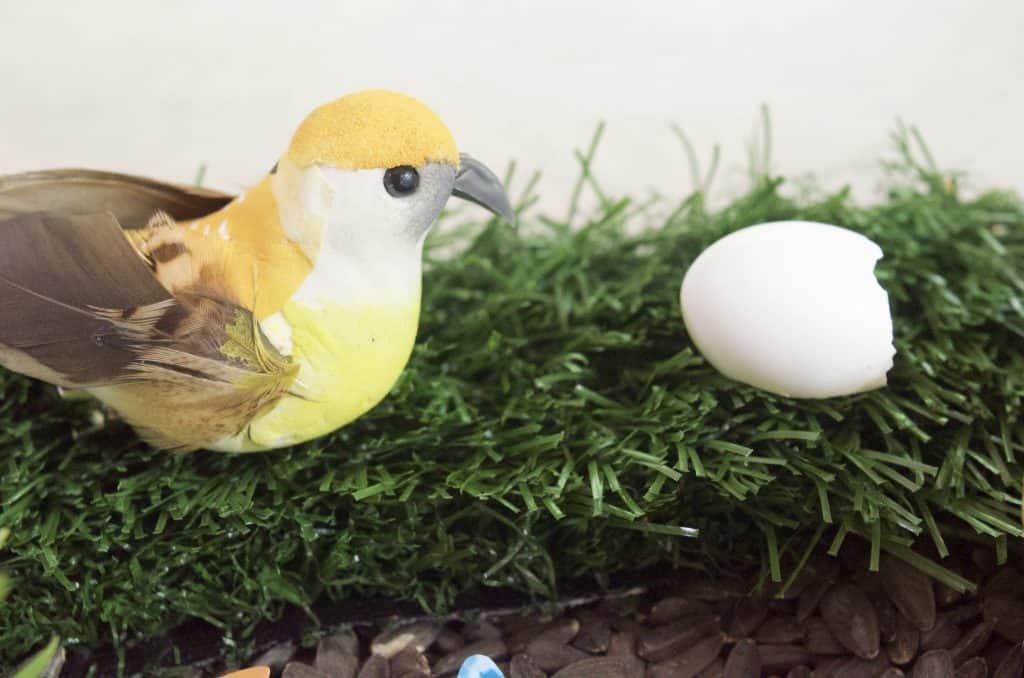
131 199
44 221
216 374
54 272
80 307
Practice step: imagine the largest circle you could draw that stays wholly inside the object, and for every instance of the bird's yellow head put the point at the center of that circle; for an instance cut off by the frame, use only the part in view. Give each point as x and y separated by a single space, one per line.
373 129
373 170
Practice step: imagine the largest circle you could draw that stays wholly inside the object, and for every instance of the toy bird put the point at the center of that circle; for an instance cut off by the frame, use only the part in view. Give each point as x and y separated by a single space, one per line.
237 324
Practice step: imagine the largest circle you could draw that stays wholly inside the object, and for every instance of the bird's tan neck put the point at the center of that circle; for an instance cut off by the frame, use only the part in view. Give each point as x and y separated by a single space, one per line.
240 250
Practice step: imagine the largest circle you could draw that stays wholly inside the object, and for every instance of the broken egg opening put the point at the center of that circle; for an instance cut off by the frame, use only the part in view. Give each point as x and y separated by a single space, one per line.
792 307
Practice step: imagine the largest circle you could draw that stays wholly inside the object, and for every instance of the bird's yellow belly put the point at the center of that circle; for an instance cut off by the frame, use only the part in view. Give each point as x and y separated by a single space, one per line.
349 359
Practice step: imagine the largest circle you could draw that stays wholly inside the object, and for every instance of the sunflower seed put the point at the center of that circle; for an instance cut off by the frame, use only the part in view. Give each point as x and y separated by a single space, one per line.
622 646
631 624
934 664
942 636
523 667
747 616
782 608
409 663
628 606
550 657
867 581
674 607
375 667
775 590
1006 580
905 645
783 657
518 634
690 661
660 643
495 649
824 570
514 623
744 661
972 642
557 632
779 630
861 668
826 666
910 590
808 601
713 590
594 632
715 669
975 667
945 596
448 641
419 635
997 650
965 612
299 670
1007 612
851 619
338 655
1012 665
517 640
481 629
345 642
819 640
594 667
891 672
887 614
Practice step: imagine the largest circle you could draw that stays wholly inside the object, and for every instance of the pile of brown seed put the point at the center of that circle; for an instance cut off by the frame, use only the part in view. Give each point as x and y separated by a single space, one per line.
843 622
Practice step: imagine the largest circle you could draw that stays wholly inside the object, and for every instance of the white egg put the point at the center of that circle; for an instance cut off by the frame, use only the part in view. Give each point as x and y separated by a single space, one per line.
792 307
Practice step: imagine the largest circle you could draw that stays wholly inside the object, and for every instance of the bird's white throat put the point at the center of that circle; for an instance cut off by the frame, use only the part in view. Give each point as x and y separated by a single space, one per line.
356 235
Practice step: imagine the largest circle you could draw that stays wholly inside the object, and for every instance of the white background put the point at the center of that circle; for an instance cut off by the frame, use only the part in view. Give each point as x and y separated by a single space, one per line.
161 87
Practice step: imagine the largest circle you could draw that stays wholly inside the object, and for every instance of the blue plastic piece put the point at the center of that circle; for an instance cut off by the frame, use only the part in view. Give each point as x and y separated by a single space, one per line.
479 666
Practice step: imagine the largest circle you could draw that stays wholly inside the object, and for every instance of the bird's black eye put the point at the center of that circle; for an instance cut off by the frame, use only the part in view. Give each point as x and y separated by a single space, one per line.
401 180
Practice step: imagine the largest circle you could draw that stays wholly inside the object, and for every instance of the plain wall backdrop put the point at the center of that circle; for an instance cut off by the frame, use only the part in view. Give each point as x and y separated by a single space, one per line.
159 88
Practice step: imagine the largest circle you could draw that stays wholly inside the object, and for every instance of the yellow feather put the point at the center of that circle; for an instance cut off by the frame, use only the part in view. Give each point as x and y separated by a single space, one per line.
349 359
375 128
254 237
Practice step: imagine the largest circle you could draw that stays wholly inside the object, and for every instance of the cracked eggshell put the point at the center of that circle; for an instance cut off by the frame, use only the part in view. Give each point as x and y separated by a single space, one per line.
792 307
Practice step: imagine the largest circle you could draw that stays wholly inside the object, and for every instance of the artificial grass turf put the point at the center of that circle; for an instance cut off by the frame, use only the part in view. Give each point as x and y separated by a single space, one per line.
554 422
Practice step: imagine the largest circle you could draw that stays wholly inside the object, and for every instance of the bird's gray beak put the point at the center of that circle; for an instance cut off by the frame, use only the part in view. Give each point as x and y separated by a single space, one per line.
476 183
